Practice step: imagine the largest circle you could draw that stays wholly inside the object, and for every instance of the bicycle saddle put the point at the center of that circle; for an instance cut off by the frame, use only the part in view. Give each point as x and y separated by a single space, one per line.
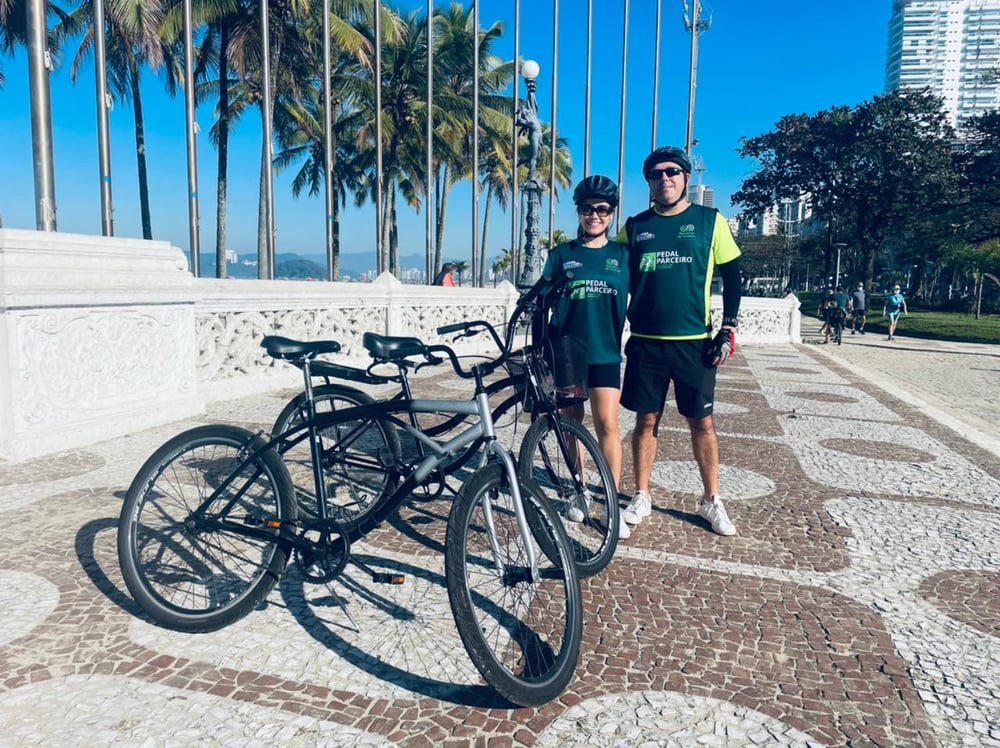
286 348
391 348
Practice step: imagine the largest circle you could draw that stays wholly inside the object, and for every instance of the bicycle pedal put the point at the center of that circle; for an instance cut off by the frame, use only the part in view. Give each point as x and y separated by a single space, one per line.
384 578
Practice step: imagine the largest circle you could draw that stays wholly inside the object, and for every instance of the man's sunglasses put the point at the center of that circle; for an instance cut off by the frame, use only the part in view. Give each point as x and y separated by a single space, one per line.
602 210
670 171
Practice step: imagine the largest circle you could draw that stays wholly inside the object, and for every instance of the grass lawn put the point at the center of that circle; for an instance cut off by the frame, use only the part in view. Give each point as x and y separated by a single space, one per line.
922 323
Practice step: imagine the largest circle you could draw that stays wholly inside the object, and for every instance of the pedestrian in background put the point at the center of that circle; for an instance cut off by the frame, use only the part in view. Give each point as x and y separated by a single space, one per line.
894 304
446 276
674 248
826 307
859 308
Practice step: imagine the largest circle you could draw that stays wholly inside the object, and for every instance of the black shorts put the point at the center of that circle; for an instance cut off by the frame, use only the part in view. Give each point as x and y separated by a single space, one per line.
604 375
651 365
860 313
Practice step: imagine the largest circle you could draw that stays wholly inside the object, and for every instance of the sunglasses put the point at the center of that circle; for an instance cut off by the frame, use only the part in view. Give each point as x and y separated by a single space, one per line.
670 171
602 210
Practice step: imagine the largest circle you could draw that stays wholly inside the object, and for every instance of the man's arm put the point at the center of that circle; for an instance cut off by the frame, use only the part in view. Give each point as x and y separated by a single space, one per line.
732 293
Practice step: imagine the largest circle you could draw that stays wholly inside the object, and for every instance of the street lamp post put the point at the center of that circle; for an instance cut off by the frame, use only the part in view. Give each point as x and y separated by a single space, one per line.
527 120
836 280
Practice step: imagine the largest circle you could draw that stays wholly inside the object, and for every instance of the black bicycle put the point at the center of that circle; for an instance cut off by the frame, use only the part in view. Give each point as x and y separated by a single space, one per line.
557 452
838 320
211 520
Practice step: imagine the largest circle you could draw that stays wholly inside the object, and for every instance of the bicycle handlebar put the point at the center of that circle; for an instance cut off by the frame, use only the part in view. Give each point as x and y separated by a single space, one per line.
404 347
546 286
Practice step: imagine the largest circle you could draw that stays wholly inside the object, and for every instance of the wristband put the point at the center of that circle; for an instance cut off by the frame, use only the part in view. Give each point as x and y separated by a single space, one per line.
732 322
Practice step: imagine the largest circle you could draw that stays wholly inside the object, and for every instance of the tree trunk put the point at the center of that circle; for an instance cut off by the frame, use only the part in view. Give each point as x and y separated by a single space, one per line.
442 209
979 293
335 266
223 157
482 244
140 151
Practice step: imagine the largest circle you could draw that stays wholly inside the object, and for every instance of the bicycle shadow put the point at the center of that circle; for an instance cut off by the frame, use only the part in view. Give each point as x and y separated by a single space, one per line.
403 635
85 546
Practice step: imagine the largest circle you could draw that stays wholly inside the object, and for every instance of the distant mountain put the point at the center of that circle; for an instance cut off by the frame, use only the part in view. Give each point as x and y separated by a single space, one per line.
293 265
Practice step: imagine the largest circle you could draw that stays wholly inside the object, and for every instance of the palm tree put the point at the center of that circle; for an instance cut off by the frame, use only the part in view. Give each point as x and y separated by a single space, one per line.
454 51
221 19
133 43
502 264
300 137
403 84
494 171
299 120
14 28
460 267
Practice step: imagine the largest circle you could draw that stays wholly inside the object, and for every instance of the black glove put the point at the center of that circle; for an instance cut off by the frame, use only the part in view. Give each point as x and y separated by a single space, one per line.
722 347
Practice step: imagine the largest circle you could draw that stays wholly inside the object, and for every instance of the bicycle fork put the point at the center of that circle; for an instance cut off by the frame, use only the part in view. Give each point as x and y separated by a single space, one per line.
507 462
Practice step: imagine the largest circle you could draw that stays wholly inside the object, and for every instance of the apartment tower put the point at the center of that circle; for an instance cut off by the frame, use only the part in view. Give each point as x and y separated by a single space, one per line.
951 47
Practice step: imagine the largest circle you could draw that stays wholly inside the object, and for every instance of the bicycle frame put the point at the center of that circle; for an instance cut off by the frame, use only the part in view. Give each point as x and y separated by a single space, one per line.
417 472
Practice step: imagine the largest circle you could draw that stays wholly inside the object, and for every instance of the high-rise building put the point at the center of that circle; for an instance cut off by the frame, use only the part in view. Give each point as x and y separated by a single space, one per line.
951 47
701 194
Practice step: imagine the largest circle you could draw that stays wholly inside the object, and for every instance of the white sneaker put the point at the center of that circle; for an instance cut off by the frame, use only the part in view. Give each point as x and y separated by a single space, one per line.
577 511
638 509
624 531
715 513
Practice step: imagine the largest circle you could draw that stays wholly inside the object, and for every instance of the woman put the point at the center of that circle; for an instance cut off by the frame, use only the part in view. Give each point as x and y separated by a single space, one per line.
593 309
446 277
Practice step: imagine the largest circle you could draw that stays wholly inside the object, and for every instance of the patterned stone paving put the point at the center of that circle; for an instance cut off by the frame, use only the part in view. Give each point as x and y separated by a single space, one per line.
857 605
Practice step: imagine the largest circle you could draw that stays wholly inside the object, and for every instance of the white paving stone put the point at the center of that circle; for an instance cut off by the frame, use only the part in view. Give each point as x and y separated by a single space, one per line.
103 710
665 719
26 600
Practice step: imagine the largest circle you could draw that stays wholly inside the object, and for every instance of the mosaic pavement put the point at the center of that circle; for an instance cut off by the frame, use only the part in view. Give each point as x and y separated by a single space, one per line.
858 604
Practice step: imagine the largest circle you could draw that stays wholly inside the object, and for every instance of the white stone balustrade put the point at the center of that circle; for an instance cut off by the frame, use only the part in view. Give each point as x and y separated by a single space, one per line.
101 337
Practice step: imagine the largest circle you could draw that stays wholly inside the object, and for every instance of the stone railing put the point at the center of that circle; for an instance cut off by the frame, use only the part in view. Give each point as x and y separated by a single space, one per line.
101 337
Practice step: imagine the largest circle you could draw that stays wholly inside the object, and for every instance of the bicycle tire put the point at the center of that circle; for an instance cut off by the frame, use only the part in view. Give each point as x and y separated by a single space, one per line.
351 498
595 538
198 580
522 635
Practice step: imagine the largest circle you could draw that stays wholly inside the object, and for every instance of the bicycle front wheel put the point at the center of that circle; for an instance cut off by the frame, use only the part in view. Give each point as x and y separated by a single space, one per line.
201 570
576 480
522 633
356 453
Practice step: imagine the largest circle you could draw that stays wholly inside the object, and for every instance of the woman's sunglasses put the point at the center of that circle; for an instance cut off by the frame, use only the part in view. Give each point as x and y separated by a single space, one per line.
602 210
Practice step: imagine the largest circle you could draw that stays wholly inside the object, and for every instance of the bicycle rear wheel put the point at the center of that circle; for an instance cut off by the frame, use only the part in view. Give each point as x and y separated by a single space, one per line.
356 456
201 571
522 634
585 498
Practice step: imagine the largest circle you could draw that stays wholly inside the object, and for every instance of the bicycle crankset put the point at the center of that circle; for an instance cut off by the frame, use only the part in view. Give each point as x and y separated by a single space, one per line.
322 551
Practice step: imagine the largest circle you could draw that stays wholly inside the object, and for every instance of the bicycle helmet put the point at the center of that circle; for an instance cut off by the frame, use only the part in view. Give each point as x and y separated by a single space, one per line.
596 186
666 153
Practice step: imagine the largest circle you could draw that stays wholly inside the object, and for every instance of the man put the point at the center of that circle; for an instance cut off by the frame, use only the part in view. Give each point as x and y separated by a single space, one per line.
859 308
674 247
894 304
825 307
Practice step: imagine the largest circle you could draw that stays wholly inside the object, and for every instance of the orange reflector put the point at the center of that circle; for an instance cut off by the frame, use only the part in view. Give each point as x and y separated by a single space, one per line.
274 524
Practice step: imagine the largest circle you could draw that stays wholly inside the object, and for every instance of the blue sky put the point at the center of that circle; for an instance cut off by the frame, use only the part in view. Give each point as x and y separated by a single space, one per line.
758 61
